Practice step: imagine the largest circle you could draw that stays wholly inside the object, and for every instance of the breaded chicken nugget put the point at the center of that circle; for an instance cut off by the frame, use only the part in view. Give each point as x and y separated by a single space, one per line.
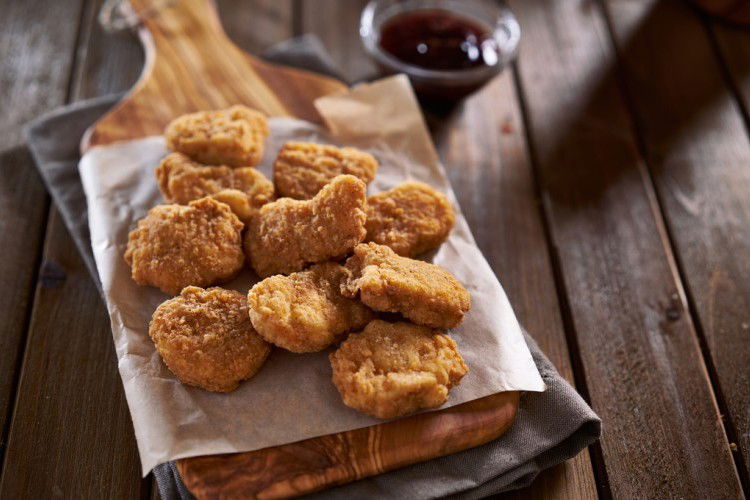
235 136
175 246
288 234
411 218
245 189
425 293
206 339
391 369
303 168
305 311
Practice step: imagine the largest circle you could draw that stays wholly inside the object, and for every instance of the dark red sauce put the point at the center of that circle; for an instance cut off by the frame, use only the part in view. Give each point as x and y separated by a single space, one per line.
438 39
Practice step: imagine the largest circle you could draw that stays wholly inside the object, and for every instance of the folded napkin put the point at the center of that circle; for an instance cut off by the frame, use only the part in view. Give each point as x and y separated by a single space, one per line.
550 427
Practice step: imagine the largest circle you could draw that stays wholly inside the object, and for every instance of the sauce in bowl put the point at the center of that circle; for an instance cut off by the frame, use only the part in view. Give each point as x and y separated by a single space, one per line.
447 48
439 39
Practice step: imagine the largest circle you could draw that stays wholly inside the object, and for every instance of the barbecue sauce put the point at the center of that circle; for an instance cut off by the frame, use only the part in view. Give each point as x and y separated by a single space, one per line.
438 40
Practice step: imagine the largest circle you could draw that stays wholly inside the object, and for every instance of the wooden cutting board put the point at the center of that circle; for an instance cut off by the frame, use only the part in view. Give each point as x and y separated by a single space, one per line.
192 65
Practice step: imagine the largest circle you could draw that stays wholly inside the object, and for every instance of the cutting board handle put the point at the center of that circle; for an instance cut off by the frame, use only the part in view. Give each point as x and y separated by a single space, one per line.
191 65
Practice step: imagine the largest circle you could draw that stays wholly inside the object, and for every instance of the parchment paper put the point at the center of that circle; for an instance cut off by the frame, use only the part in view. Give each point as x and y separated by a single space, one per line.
292 397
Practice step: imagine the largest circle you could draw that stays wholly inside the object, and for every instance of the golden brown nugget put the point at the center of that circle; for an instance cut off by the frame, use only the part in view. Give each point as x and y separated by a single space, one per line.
303 168
287 234
425 293
392 369
175 246
235 136
206 339
305 311
245 189
411 218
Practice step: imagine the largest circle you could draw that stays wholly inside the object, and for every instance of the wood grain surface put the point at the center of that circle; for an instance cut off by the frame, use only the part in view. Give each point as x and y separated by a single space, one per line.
698 154
731 11
183 40
311 465
32 44
486 156
641 357
597 145
70 396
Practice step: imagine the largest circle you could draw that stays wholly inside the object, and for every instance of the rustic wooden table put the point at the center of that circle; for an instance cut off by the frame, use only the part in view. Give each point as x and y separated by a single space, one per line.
606 178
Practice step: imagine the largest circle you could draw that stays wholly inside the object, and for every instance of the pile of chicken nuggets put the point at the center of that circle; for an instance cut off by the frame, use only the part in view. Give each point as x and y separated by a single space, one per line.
337 268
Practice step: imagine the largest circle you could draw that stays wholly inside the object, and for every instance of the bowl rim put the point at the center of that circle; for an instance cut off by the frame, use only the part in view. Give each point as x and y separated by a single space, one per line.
369 38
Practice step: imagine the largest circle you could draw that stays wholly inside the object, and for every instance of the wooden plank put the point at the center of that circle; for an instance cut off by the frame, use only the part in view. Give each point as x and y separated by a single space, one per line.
336 23
698 151
71 434
37 40
86 424
640 354
108 63
254 25
485 154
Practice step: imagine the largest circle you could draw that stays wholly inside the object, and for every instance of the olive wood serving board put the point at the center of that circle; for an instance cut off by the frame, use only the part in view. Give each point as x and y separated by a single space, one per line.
192 65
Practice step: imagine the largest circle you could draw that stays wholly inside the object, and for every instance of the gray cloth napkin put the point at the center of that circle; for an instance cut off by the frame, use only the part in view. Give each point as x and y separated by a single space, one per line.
551 426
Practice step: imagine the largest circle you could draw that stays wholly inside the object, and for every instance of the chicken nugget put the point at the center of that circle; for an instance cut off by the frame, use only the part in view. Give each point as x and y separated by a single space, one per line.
206 339
425 293
234 136
411 218
244 189
303 168
392 369
175 246
305 311
288 234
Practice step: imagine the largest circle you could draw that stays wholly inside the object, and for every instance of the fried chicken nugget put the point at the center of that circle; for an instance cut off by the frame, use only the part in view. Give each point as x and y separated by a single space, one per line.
411 218
288 234
244 189
175 246
425 293
303 168
234 136
392 369
206 339
305 311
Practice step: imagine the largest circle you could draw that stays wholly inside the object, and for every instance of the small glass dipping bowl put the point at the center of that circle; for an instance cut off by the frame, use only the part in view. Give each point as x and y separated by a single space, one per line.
443 85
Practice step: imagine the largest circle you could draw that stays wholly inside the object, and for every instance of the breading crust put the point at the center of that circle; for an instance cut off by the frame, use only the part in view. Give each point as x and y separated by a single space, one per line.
411 218
234 136
303 168
287 234
175 246
182 180
206 339
425 293
305 311
392 369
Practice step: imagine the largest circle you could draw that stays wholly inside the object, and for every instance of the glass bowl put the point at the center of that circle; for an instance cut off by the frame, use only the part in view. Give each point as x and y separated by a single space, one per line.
440 84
